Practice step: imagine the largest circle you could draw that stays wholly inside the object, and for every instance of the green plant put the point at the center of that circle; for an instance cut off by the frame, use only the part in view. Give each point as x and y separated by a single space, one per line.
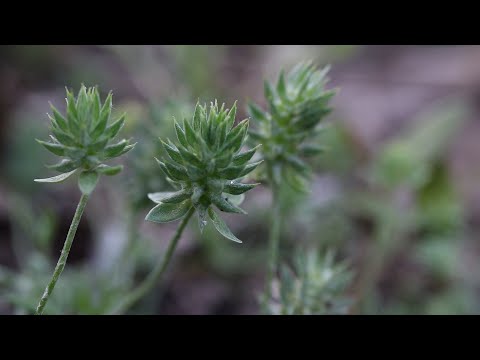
83 138
296 106
205 167
314 285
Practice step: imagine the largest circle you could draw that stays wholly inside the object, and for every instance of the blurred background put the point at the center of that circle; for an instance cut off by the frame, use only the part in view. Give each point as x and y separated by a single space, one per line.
396 196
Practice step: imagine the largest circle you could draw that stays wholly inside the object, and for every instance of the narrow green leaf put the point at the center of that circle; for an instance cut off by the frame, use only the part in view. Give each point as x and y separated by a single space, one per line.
73 121
177 172
109 170
98 145
197 117
65 165
56 179
190 134
113 129
87 181
63 137
241 159
281 87
224 159
236 136
170 197
163 213
103 118
172 152
180 134
235 199
249 168
225 205
60 120
236 188
190 157
221 226
56 149
231 116
115 149
231 172
97 104
256 113
126 149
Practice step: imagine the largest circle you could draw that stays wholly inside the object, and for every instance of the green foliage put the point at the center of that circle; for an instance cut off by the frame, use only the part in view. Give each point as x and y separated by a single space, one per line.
315 285
296 106
83 137
205 166
407 159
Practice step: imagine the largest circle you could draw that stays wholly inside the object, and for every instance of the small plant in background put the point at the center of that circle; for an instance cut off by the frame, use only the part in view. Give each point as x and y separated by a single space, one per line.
205 167
296 106
315 284
83 137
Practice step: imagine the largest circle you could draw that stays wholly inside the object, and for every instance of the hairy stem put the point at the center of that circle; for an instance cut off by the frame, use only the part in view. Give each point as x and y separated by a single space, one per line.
64 255
273 241
152 279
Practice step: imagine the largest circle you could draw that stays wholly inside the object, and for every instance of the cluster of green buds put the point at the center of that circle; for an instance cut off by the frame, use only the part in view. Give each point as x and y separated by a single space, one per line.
205 167
296 105
83 137
315 285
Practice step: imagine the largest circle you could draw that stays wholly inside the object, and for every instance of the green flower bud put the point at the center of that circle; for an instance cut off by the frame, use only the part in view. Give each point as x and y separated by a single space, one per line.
296 105
83 138
206 165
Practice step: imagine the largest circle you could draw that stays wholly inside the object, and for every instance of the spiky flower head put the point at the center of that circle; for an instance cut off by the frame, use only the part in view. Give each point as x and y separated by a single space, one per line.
205 165
296 105
83 138
315 284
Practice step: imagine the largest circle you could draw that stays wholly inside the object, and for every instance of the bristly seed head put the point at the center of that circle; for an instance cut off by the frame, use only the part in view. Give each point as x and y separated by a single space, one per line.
82 137
296 105
206 165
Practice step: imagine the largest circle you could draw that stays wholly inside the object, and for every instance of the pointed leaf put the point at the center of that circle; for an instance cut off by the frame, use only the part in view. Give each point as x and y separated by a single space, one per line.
172 152
225 205
87 181
256 113
56 179
115 149
170 197
236 188
113 129
109 170
221 226
241 159
231 116
180 135
65 165
102 121
281 88
249 168
60 120
163 213
56 149
235 199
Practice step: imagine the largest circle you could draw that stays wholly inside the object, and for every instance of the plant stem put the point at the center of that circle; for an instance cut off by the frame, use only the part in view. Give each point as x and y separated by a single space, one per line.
64 255
156 273
273 242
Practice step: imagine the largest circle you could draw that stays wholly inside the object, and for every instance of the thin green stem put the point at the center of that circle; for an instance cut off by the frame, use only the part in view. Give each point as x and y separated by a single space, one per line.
64 255
273 242
152 279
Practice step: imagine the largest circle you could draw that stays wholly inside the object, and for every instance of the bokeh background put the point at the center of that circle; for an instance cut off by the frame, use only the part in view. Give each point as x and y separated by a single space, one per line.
397 194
